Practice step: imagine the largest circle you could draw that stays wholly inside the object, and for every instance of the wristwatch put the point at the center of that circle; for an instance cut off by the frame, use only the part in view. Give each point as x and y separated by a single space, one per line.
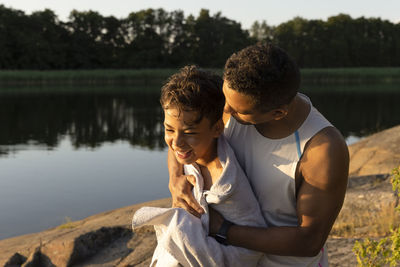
222 232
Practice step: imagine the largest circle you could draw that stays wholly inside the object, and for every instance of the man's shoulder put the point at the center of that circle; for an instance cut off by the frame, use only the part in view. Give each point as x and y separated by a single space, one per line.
327 136
325 155
326 143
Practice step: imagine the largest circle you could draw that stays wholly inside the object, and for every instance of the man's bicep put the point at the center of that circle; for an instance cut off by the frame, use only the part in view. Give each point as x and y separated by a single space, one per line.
318 208
324 170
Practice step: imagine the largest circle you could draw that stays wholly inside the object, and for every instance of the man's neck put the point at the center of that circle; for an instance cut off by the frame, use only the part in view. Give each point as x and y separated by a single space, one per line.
277 129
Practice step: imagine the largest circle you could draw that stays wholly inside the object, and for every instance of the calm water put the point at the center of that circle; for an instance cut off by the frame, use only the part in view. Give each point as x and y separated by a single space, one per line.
76 154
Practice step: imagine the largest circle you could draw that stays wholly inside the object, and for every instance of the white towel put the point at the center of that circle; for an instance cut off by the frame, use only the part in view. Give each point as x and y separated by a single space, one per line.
183 238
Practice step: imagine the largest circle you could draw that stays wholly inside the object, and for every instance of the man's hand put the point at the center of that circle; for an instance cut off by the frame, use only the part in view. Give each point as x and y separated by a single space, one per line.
216 221
182 196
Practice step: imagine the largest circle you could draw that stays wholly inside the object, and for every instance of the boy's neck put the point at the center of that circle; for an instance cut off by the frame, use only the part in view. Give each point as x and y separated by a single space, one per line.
210 166
211 156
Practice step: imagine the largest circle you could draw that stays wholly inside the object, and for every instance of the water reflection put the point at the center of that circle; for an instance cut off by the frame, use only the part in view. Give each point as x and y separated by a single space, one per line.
90 119
359 114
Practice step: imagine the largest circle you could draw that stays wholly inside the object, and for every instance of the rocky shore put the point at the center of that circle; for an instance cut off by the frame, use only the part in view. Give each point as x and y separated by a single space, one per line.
106 239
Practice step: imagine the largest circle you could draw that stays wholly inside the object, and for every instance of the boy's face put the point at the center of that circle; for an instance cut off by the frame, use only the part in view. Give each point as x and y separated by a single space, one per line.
190 142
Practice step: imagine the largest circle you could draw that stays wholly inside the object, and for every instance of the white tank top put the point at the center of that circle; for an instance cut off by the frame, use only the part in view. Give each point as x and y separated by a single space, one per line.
270 165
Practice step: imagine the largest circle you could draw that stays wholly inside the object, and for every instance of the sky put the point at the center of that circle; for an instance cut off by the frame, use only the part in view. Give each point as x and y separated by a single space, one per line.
245 12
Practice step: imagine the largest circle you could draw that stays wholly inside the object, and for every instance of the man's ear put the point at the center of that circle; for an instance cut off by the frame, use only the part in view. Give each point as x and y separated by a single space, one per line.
280 112
218 128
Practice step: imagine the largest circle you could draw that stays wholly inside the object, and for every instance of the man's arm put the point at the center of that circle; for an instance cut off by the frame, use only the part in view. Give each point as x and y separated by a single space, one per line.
180 186
324 170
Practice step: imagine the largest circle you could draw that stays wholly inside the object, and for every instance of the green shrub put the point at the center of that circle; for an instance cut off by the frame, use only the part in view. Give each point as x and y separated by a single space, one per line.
386 250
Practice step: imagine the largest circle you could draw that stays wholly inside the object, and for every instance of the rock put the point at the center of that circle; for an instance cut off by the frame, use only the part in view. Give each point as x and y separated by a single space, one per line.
37 259
72 249
34 259
340 252
376 154
15 260
105 239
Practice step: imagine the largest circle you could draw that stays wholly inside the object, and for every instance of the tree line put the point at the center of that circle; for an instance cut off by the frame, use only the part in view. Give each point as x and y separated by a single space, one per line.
340 41
155 38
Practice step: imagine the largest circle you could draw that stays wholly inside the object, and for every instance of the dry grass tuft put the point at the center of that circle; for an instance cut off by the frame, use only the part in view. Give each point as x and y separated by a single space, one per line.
68 224
366 221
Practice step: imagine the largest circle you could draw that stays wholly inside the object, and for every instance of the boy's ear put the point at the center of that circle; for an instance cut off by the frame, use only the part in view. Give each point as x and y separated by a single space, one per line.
219 128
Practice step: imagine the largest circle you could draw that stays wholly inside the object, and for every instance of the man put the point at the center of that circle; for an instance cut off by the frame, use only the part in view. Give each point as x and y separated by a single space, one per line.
296 161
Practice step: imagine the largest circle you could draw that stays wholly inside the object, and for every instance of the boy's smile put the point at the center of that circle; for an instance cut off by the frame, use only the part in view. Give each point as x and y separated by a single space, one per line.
191 142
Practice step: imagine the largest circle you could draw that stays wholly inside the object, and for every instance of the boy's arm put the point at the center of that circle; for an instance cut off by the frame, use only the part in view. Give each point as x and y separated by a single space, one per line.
324 168
180 186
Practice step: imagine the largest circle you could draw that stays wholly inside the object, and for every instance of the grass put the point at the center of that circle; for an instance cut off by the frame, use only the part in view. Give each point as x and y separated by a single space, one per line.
87 77
351 75
77 88
368 213
67 224
313 80
335 75
367 87
359 222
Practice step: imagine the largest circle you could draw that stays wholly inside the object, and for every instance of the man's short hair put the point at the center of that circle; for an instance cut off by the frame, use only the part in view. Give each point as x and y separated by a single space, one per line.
194 89
264 72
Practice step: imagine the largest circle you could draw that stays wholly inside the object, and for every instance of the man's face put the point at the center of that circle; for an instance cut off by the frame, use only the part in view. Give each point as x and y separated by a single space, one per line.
242 108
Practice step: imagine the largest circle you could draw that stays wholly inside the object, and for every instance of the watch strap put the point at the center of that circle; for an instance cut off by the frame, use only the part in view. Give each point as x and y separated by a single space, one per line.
221 236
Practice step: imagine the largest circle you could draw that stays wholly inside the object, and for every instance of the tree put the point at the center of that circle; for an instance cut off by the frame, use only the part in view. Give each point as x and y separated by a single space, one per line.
294 38
181 39
262 32
86 48
155 38
48 41
216 38
146 39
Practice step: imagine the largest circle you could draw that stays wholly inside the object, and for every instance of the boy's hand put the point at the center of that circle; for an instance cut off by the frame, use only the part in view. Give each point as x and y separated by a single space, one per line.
182 197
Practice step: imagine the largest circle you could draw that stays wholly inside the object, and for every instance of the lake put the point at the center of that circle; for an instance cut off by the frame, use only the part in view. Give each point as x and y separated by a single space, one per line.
65 155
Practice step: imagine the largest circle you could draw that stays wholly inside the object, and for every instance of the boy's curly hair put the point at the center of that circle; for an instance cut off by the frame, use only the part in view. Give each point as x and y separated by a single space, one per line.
194 89
266 73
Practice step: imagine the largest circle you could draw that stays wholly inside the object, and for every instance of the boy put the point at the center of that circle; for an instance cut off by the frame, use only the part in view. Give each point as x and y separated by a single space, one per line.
193 104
